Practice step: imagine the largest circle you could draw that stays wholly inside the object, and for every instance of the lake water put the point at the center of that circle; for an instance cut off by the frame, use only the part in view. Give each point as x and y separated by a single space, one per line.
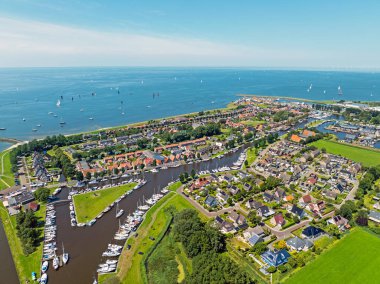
125 95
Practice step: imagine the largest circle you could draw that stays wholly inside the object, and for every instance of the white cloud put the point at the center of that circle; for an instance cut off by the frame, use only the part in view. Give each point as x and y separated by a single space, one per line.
30 43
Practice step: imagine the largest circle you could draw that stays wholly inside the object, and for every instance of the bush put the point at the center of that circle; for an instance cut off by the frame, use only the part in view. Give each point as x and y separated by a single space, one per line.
272 269
282 268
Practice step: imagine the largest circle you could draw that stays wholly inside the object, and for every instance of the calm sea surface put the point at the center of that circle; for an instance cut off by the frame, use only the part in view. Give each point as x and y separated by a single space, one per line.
100 97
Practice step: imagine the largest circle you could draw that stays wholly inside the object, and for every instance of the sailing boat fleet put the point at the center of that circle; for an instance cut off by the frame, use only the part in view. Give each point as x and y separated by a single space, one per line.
50 245
130 225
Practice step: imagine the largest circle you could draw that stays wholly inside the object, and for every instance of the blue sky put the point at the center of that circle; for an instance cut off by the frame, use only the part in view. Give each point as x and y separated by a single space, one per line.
296 34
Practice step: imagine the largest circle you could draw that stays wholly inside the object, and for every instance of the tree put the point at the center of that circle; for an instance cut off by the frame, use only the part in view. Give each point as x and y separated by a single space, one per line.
282 268
88 175
246 163
42 194
193 174
272 269
259 248
362 218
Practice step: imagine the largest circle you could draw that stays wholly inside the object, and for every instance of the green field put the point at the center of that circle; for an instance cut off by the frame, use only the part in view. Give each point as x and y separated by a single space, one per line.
354 259
365 156
251 156
253 123
91 204
25 265
6 175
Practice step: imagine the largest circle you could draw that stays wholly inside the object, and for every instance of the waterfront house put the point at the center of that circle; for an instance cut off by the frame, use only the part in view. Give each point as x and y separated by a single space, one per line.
275 258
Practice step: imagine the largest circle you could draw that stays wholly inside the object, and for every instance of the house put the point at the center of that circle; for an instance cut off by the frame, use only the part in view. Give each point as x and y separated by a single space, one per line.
330 194
312 232
253 204
264 211
234 190
254 239
34 206
305 199
374 216
211 201
295 138
339 221
268 196
275 258
298 244
258 230
237 218
278 219
307 133
222 196
299 212
247 187
279 194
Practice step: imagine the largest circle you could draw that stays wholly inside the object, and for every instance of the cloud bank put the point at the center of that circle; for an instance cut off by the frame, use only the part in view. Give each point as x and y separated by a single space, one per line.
32 43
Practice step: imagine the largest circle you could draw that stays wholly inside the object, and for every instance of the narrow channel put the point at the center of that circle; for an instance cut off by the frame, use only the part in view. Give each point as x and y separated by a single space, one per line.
8 272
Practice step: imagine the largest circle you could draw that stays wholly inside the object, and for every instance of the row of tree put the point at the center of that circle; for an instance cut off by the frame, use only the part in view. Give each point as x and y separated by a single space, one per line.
27 231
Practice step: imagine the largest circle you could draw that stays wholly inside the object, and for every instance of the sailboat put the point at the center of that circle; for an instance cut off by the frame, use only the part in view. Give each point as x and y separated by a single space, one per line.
119 212
55 262
65 255
340 92
44 278
58 103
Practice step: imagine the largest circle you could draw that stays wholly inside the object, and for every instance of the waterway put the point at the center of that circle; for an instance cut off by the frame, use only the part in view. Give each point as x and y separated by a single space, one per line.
8 272
85 245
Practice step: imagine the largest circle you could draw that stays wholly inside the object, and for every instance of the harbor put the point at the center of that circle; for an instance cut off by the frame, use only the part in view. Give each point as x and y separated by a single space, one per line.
87 244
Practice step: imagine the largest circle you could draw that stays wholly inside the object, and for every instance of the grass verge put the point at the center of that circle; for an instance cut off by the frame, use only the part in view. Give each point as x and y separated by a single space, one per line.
25 265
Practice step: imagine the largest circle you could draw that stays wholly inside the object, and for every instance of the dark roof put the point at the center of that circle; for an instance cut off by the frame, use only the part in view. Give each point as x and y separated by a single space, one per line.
312 232
297 211
275 258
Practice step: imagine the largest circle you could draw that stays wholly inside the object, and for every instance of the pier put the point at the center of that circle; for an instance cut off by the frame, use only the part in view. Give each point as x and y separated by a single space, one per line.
10 140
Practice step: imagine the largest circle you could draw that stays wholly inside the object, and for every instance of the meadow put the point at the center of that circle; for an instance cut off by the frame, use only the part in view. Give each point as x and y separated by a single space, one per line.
354 259
366 156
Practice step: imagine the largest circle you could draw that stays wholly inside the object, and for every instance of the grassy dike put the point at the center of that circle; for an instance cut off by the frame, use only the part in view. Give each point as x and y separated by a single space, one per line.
25 265
131 268
6 175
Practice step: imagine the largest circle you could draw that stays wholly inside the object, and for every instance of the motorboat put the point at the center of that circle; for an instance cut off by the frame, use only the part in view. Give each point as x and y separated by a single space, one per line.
45 266
44 278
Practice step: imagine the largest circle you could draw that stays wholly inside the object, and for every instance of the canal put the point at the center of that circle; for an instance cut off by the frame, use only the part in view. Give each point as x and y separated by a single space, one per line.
8 272
86 244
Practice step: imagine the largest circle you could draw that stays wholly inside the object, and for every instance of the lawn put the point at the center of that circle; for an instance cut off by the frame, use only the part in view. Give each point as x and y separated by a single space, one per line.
358 154
90 204
6 175
174 186
354 259
25 265
251 156
253 123
131 267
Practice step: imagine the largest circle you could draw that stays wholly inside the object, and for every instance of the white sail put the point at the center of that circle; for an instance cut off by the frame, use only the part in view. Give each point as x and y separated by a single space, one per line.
58 103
